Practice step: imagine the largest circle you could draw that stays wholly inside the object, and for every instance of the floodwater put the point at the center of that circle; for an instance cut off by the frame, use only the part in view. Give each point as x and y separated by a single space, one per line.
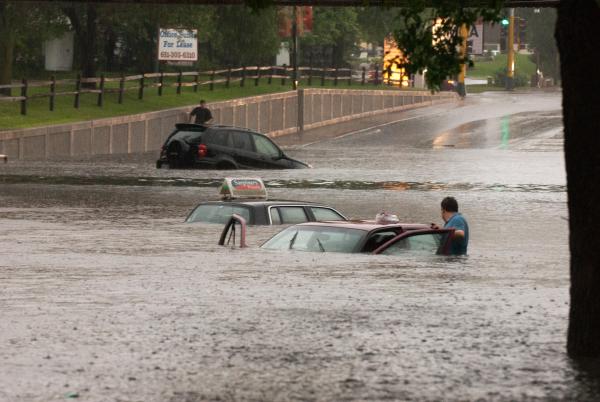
106 295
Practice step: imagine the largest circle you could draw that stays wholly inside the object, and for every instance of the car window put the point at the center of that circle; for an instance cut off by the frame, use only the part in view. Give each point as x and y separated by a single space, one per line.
376 240
242 140
218 138
188 136
292 214
275 218
264 146
326 214
419 243
316 238
215 213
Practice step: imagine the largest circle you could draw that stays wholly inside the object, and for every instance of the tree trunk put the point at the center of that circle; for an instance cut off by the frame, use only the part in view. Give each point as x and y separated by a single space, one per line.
7 45
578 39
85 26
89 42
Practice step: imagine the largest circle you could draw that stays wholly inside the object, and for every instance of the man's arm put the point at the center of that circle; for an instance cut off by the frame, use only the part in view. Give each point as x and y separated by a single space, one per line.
192 114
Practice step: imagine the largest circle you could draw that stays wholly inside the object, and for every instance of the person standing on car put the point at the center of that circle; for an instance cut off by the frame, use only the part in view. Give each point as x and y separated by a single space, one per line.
201 114
455 220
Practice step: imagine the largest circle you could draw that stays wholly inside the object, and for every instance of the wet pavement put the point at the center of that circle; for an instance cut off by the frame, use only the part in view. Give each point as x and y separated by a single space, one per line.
106 295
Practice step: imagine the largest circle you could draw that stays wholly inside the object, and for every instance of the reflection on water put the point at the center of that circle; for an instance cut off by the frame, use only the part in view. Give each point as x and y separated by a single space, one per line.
314 183
505 131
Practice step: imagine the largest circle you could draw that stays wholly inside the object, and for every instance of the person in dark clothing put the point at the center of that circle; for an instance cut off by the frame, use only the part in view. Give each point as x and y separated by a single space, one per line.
201 114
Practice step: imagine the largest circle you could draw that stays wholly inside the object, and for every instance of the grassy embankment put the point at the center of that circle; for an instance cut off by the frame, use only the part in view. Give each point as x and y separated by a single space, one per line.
484 69
38 113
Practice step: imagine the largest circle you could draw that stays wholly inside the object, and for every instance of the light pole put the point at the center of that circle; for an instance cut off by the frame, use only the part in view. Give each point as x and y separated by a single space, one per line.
510 48
295 48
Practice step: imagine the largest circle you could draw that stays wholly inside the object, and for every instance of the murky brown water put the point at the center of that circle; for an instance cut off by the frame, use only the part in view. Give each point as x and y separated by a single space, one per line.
105 293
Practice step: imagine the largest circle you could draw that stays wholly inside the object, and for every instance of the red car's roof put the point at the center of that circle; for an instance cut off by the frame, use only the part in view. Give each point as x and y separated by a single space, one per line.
366 225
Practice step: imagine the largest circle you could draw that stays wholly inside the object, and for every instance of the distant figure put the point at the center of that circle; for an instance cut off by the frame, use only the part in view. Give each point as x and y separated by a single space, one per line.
201 113
453 219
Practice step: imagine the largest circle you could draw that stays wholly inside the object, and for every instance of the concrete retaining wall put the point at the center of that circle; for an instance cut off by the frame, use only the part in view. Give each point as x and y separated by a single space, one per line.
274 114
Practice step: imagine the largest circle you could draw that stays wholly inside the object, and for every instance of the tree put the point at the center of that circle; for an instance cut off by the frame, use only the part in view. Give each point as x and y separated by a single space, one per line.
376 23
7 43
578 37
541 39
135 29
24 27
244 37
429 37
334 27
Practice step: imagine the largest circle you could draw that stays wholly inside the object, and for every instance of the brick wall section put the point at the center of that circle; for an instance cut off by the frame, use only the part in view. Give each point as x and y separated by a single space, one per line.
274 114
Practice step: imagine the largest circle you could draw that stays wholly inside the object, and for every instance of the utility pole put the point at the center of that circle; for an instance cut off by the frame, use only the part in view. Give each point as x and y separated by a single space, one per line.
461 87
295 48
510 48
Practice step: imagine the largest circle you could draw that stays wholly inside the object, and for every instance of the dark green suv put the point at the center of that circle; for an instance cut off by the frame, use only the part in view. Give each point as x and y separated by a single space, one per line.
222 147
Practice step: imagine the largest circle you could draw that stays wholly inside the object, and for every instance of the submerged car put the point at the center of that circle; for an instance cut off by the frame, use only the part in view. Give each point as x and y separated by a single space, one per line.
246 197
222 147
359 236
362 237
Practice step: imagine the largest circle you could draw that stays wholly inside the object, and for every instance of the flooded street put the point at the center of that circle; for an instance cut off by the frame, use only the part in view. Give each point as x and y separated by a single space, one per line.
106 295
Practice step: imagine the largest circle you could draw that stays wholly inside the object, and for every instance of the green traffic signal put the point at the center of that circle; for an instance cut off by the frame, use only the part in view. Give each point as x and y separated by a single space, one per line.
504 21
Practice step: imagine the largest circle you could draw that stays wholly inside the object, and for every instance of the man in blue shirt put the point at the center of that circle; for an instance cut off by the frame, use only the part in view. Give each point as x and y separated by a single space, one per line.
453 219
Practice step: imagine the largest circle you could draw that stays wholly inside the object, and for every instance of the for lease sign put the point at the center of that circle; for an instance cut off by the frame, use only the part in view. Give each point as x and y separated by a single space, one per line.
178 44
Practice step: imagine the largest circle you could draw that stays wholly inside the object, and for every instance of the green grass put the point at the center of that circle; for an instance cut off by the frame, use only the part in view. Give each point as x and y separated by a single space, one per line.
38 113
483 69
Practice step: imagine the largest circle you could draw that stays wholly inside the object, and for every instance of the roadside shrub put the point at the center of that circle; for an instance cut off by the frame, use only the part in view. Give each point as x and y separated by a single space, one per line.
520 80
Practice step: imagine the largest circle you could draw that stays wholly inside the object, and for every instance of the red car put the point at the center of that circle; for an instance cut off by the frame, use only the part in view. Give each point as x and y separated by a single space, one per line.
358 236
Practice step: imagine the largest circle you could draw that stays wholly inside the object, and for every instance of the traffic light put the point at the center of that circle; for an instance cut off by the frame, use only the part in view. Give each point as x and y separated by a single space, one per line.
522 32
504 22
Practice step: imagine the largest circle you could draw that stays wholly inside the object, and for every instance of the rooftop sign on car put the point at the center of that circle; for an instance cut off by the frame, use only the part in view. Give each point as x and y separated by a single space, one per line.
243 188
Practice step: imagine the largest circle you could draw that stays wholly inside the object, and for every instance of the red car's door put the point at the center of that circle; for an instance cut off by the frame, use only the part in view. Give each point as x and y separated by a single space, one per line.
434 241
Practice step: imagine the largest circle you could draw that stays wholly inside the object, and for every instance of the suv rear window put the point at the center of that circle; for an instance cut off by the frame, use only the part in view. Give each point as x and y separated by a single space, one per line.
217 213
218 138
188 135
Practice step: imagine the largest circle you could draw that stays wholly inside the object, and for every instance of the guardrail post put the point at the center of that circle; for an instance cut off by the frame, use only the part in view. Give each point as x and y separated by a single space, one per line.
322 76
52 92
350 77
335 77
376 79
212 80
257 76
228 79
141 91
310 67
197 81
270 75
101 93
121 88
364 73
77 91
179 77
243 76
161 81
24 94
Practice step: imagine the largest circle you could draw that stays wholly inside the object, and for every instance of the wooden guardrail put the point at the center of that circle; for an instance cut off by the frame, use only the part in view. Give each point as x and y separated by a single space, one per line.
100 86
